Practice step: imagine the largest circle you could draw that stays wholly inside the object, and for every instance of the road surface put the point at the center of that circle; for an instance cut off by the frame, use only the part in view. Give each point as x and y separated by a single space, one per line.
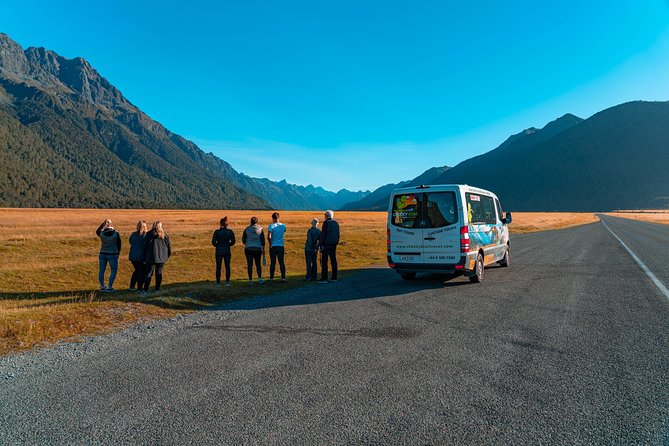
570 345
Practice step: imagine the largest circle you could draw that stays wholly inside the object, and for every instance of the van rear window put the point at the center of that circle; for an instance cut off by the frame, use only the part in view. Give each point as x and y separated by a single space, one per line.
425 210
406 209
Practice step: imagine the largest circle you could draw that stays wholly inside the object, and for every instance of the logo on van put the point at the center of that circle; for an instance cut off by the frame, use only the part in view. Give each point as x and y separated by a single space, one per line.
406 201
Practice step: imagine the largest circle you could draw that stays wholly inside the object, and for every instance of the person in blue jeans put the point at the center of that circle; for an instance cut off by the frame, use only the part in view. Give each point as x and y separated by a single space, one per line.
109 251
275 233
311 250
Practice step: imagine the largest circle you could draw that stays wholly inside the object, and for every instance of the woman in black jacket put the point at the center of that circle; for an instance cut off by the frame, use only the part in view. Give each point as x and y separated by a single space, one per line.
158 250
222 240
136 256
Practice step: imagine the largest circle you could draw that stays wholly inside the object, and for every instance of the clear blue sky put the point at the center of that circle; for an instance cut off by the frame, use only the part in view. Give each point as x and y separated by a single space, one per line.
358 94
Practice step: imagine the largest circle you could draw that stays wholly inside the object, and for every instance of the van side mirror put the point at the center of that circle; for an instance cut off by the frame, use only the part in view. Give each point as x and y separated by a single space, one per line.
507 219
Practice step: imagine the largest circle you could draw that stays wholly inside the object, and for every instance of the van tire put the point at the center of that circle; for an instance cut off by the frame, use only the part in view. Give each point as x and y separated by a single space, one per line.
408 276
478 272
505 260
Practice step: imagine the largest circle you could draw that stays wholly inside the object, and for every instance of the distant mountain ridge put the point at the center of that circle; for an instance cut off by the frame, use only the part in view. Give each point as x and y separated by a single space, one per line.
69 138
378 199
616 159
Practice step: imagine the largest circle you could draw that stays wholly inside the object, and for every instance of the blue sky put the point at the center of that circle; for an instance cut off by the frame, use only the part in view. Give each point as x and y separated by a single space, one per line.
358 94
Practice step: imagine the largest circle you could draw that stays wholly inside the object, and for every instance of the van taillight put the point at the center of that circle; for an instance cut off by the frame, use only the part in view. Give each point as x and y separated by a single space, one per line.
388 238
464 239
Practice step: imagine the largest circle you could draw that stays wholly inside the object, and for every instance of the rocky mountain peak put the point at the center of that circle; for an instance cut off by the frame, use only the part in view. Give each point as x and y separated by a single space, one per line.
12 58
50 71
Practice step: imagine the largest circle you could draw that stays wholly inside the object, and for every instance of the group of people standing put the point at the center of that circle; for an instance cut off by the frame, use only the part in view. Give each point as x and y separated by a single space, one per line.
150 250
253 238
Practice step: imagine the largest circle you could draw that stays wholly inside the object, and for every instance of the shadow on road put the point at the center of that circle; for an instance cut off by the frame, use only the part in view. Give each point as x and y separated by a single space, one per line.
353 284
360 284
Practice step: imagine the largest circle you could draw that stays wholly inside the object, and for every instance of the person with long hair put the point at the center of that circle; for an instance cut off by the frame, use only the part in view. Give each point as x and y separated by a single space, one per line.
222 240
158 250
253 239
136 256
109 251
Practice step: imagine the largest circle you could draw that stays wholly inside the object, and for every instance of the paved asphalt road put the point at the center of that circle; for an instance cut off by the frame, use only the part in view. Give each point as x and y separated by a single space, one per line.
570 345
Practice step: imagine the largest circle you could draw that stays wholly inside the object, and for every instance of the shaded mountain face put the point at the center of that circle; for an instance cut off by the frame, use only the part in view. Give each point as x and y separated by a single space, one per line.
69 138
379 198
616 159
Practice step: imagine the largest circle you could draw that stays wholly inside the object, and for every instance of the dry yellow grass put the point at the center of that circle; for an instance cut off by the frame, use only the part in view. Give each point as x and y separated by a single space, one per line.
524 222
653 216
49 264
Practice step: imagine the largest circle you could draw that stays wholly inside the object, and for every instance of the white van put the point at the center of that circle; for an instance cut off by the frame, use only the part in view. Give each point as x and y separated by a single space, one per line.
452 229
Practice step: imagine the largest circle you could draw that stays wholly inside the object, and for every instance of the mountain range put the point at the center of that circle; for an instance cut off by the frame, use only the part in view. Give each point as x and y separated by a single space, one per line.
69 138
616 159
378 199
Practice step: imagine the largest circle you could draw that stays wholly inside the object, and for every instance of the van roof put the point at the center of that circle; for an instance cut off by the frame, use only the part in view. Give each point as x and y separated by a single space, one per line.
438 187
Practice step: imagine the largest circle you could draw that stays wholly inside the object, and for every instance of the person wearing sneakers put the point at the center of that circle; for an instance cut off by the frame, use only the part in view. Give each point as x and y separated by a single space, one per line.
158 250
136 256
223 239
275 233
327 245
109 252
253 239
311 250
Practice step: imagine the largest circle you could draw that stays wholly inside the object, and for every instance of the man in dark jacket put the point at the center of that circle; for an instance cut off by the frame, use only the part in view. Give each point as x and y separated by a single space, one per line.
328 246
223 239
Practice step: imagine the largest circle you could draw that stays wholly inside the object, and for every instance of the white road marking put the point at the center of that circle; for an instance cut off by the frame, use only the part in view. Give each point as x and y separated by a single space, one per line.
642 265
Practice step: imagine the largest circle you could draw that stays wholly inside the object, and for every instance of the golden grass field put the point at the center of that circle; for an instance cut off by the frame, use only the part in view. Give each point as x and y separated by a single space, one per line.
49 265
653 216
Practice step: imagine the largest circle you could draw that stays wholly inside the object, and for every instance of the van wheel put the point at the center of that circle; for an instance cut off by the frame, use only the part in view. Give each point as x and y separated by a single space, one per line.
478 277
408 276
505 260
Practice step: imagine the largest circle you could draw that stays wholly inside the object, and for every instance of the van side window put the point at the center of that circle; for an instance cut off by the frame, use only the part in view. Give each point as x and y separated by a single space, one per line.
500 214
489 210
475 209
481 209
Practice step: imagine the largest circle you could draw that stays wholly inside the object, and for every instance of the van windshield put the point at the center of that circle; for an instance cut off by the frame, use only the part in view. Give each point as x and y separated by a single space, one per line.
425 210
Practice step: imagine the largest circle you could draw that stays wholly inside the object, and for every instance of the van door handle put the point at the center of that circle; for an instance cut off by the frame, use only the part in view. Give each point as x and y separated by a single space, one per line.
430 238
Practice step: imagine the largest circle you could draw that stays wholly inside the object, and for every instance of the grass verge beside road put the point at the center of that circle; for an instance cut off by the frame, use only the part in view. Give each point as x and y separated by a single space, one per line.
652 216
48 265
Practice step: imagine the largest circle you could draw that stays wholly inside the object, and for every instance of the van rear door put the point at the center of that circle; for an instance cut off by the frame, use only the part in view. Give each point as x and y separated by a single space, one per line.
406 235
441 235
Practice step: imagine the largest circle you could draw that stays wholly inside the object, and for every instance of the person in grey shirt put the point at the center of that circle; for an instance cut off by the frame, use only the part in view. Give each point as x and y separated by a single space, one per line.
109 251
311 250
253 239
